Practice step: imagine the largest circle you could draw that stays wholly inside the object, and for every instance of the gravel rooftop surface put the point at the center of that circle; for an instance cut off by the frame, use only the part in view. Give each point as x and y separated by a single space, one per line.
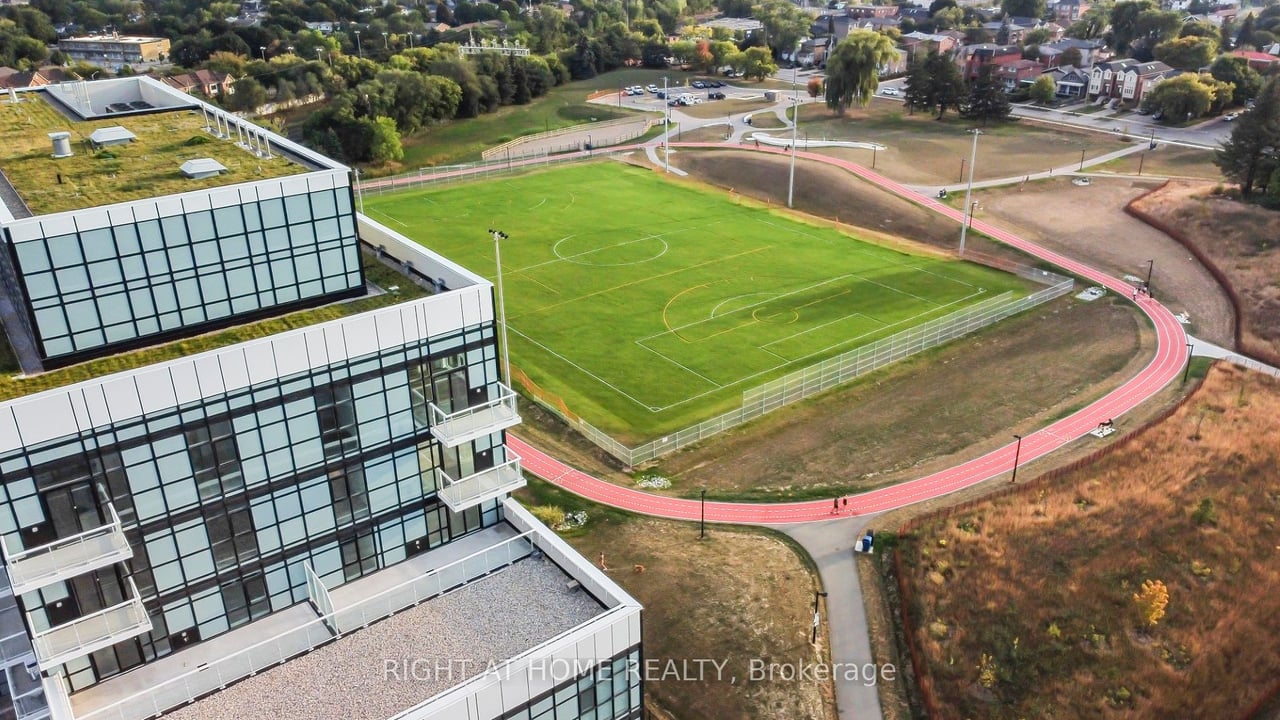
452 638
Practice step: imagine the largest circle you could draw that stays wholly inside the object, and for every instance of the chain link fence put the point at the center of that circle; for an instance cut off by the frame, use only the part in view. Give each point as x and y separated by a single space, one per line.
835 371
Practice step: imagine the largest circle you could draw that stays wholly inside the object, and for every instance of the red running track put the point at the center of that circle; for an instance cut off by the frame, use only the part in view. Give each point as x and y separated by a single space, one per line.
1170 358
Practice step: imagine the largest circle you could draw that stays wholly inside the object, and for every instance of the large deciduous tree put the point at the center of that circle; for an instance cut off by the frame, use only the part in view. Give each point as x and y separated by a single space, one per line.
1190 52
853 68
1023 8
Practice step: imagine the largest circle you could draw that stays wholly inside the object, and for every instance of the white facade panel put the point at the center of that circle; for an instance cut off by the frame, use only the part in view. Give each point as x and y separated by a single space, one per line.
122 397
186 384
144 210
224 197
9 437
168 206
514 688
58 224
293 184
261 361
290 355
489 705
387 326
44 417
361 336
444 316
96 400
155 390
25 230
92 219
195 202
79 411
120 214
268 189
235 369
317 348
335 343
208 374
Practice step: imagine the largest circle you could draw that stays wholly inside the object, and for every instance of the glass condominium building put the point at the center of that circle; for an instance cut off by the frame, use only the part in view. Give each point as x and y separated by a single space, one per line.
211 533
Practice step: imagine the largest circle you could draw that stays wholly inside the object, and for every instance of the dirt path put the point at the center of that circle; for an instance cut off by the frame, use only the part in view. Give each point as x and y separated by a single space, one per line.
1089 223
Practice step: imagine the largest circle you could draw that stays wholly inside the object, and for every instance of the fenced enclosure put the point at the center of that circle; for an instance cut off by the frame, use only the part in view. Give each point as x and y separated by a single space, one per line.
830 373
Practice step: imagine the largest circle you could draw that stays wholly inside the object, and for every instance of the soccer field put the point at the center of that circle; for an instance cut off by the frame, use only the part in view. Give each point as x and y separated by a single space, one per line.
649 305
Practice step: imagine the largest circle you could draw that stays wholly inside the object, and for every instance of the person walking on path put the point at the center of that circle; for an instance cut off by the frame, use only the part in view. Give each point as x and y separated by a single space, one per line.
835 506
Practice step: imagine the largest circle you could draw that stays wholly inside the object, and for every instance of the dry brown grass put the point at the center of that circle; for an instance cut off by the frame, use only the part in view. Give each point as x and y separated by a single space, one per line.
1041 582
1243 241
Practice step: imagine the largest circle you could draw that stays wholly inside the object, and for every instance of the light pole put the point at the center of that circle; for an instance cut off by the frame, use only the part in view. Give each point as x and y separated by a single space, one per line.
1082 152
1150 266
702 524
385 45
1191 348
1017 450
795 123
290 49
968 193
816 594
359 48
318 54
666 129
263 49
498 237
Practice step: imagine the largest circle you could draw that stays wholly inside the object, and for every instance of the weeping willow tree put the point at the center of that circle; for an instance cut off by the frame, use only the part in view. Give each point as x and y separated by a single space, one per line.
853 68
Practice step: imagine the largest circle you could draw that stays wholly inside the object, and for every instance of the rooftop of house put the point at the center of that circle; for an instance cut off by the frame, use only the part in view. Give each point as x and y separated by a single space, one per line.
146 166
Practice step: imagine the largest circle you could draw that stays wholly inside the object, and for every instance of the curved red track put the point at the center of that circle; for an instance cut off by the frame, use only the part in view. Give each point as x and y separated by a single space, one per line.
1170 357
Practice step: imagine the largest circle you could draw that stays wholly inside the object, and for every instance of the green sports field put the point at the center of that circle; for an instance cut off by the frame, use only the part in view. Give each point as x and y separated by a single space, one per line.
649 305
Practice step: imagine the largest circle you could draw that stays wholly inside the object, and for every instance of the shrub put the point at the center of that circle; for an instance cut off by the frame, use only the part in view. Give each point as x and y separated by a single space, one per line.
1206 513
1152 601
549 515
197 140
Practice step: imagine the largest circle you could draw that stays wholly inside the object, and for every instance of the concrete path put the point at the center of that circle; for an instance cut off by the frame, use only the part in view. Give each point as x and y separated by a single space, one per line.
1074 169
830 544
1204 348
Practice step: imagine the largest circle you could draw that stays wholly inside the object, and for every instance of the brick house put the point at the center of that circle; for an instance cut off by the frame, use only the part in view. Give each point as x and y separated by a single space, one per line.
1127 80
975 57
209 83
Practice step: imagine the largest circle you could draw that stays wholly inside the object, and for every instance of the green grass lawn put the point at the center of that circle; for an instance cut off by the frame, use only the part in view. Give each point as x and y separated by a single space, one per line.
650 305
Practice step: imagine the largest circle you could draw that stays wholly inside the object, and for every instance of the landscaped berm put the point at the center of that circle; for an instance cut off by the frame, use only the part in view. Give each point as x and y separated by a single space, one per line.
649 304
1145 585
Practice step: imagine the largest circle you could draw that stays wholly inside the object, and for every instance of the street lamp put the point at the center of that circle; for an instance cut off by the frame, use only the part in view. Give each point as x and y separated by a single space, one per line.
666 128
816 594
290 49
498 236
318 53
795 123
1191 348
702 524
263 50
968 193
385 44
359 48
1150 265
1016 452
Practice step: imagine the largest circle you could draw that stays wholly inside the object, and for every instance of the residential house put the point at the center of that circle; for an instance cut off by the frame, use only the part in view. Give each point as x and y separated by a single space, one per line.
1260 61
813 52
11 78
1071 81
1005 31
870 11
1091 51
896 66
876 24
918 44
209 83
1014 75
1127 80
918 14
1069 11
973 58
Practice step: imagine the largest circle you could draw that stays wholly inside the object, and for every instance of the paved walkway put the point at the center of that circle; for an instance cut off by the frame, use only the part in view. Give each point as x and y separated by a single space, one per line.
1204 348
1074 169
830 544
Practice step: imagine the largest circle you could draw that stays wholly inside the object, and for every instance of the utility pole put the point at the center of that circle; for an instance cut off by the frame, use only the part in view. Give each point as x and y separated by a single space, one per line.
666 129
499 236
968 193
795 123
816 594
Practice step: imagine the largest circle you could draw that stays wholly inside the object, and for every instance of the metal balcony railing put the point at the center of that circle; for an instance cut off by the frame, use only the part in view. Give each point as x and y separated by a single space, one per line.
81 636
453 429
482 485
67 557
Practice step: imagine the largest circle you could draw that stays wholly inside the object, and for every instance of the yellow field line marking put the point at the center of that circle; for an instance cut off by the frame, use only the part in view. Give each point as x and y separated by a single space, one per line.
667 323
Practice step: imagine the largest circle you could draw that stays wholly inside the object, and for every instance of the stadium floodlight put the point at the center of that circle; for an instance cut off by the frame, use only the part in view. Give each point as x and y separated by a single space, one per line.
498 237
795 123
968 193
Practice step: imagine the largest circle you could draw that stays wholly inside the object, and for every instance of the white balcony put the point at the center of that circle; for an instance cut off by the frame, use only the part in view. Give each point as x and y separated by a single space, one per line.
482 485
453 429
67 557
84 635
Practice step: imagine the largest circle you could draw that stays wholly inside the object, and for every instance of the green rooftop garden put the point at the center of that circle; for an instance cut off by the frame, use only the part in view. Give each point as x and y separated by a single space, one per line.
375 272
145 167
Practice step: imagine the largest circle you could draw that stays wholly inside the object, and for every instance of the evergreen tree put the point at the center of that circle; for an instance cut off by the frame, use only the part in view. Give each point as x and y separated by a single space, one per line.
1252 153
917 89
987 100
946 87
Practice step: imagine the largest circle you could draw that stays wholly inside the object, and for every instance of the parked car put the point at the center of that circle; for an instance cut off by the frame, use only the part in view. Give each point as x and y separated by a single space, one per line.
715 95
890 91
1159 115
698 84
662 94
652 89
1230 116
714 83
1144 111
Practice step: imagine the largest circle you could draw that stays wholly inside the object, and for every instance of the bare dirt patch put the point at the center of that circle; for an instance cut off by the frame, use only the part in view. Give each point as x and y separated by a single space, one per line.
1243 241
1088 223
738 595
1023 605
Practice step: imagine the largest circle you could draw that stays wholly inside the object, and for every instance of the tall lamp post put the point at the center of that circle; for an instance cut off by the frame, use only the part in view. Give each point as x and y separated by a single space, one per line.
1186 374
359 47
666 129
385 45
795 123
498 237
1017 450
702 523
816 594
1150 266
968 192
263 49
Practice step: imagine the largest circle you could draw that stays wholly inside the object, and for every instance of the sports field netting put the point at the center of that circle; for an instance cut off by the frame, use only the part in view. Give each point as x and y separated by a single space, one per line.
649 304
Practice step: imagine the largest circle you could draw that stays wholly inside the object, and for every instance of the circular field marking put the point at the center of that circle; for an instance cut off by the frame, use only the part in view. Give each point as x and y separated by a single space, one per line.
645 249
738 302
784 317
